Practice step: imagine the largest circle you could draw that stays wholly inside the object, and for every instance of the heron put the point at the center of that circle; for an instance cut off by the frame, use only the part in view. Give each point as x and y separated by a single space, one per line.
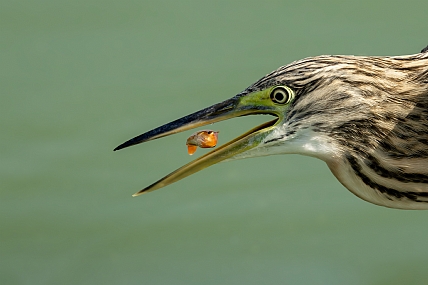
366 117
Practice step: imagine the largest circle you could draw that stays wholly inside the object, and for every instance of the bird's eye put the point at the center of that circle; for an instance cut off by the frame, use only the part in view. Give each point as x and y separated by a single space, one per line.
281 95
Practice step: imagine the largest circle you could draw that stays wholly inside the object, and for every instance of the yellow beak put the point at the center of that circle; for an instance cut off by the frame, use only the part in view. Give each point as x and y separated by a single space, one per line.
215 113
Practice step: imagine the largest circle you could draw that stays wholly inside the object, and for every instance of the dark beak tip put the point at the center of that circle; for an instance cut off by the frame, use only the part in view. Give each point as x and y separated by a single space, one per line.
129 143
119 147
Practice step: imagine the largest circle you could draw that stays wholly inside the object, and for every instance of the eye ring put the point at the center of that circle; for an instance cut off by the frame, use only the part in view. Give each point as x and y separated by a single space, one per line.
281 95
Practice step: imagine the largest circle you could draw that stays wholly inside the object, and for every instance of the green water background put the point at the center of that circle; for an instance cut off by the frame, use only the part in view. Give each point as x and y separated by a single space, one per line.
80 77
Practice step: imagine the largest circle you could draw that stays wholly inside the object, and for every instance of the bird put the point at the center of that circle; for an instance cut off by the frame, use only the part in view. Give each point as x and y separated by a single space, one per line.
366 117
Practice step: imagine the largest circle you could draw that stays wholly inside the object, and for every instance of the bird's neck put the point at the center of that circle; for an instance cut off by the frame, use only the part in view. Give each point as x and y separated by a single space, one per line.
373 184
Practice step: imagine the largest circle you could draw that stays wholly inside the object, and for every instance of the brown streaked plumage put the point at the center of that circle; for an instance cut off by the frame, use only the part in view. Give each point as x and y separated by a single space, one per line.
366 117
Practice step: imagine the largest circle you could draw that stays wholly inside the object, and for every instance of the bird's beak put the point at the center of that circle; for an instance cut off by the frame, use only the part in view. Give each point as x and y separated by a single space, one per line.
230 108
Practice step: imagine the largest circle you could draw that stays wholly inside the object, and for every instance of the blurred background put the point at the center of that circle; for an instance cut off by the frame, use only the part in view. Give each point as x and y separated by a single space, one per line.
80 77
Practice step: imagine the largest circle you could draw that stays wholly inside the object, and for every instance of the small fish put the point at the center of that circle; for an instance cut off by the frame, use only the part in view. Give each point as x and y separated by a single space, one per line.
203 139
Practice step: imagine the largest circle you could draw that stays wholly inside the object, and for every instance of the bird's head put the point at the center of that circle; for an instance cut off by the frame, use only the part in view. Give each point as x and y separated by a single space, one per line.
312 100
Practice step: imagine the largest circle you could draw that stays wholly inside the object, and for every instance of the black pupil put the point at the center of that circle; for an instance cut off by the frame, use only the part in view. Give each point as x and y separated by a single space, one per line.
279 96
